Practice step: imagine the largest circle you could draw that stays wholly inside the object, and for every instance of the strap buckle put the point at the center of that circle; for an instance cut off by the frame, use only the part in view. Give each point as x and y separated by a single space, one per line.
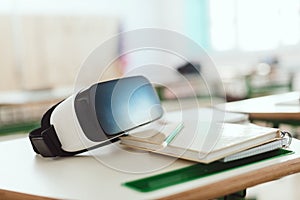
40 142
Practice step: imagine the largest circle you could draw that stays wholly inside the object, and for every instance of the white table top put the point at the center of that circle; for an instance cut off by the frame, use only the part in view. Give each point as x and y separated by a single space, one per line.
84 177
278 103
280 107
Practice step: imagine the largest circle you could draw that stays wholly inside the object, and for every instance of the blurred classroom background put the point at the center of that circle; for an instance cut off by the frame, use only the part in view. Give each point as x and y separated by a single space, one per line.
254 44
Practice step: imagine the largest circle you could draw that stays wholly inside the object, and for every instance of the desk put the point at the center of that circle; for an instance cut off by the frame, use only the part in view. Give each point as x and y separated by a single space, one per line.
25 175
21 110
269 108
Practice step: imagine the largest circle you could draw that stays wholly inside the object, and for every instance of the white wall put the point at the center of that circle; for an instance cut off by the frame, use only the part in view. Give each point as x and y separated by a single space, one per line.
133 14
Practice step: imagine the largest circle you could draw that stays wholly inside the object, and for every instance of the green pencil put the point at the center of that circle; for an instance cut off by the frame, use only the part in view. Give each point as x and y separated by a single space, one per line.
170 137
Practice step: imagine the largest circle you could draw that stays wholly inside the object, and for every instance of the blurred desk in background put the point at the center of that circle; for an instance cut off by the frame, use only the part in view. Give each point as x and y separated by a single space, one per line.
240 86
275 109
22 110
262 85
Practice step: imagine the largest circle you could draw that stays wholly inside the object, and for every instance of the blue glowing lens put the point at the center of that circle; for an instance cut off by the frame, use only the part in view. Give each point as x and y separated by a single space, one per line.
113 107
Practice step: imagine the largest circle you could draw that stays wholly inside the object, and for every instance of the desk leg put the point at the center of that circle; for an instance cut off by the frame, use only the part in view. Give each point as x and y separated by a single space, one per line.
235 196
276 124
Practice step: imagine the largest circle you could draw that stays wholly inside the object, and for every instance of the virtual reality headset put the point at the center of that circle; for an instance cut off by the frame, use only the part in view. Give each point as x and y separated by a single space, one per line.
96 116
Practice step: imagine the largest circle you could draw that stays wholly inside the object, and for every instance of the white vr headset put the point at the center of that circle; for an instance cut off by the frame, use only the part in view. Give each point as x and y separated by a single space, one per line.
96 116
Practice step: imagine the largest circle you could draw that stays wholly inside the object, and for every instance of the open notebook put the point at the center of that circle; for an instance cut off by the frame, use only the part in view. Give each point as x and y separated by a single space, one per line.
206 143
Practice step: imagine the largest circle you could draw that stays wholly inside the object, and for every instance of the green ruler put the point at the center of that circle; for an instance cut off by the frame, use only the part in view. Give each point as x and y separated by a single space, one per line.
196 171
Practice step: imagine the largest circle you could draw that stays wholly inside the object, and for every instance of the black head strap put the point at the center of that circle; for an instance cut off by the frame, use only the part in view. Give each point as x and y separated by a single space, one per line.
44 140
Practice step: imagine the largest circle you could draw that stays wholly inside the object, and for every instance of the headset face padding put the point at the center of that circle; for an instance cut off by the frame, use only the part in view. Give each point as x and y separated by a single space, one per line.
107 109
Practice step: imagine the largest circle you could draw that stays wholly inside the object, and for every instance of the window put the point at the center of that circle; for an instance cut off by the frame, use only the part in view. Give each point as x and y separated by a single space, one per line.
253 25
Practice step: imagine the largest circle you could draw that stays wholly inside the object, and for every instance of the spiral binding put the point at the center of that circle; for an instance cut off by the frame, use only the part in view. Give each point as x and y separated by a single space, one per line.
285 134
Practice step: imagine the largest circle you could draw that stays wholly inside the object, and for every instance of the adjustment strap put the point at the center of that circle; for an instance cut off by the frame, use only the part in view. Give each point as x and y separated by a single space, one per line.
44 140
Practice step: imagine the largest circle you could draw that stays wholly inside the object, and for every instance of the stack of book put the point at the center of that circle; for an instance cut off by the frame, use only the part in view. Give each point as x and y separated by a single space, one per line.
205 143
